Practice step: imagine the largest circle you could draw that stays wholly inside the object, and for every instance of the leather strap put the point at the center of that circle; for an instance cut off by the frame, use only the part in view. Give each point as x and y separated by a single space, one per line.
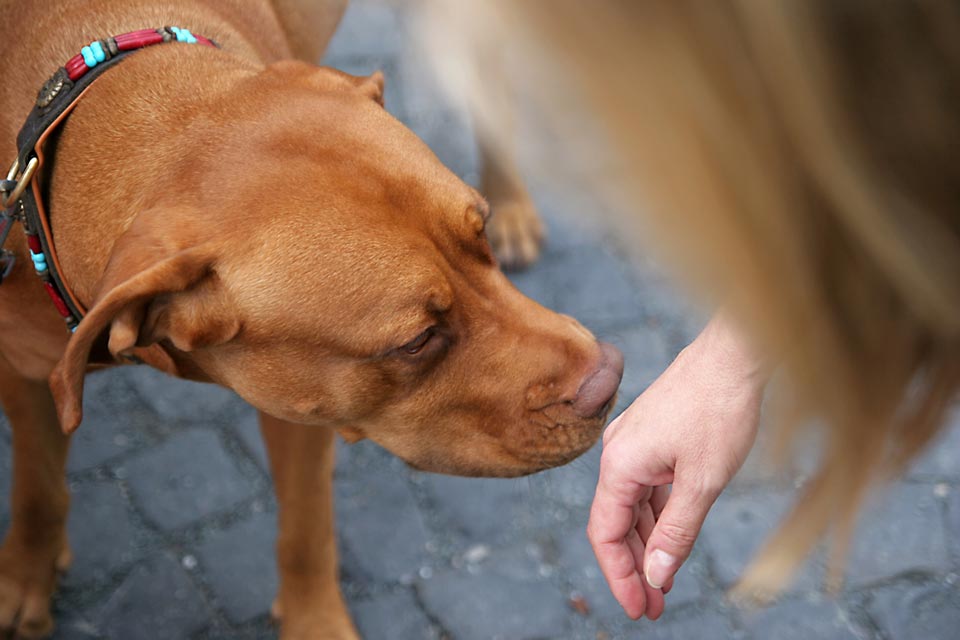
58 97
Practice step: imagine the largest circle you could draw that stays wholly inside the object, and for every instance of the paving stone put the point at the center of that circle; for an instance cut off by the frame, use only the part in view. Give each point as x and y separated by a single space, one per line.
953 522
240 566
381 527
665 301
74 628
534 284
492 605
646 356
247 427
573 217
531 558
483 509
573 484
176 400
259 629
115 420
344 456
701 625
907 611
157 601
802 619
939 461
902 532
368 28
690 583
366 65
102 533
594 287
395 615
736 529
188 477
579 565
761 469
450 137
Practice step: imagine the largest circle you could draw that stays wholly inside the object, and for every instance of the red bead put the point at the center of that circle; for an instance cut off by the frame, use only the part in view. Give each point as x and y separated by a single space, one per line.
34 243
57 300
76 67
205 41
138 39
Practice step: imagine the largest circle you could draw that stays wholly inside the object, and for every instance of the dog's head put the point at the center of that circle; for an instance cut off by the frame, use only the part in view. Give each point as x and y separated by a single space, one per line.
327 267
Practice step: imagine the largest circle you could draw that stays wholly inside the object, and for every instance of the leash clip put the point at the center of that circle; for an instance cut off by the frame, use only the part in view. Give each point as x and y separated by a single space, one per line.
13 187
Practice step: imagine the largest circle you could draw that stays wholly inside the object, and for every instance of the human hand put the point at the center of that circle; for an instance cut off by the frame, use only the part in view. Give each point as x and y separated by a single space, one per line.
693 427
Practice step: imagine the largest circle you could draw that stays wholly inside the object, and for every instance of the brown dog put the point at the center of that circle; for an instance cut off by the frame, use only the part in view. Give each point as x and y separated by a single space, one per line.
235 216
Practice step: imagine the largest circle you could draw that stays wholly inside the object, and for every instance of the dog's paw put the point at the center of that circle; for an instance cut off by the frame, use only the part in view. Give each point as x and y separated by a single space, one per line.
27 582
516 232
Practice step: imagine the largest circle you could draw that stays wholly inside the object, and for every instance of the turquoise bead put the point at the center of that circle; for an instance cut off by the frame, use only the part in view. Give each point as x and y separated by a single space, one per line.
88 58
98 52
183 35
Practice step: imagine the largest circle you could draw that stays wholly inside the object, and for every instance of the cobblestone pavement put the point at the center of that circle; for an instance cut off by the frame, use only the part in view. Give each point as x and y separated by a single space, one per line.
173 517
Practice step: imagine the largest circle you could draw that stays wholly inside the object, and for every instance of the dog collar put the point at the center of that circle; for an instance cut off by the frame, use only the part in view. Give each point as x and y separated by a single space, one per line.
21 195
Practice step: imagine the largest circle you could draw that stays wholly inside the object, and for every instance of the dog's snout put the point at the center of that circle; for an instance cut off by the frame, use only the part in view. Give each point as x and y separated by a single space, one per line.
599 388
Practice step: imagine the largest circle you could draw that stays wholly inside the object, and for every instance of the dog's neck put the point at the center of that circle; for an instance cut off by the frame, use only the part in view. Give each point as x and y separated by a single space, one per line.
155 102
253 34
127 142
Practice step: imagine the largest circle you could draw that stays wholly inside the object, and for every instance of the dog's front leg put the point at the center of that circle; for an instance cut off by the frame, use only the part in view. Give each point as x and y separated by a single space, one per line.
309 604
35 547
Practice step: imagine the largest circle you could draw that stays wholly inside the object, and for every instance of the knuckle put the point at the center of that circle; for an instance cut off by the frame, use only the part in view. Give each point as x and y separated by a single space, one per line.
676 535
611 461
709 485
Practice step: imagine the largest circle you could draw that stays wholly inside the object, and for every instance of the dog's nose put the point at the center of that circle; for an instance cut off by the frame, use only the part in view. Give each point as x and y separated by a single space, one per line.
599 388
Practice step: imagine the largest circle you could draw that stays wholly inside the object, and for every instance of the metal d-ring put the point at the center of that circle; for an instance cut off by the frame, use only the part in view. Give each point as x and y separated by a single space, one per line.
22 183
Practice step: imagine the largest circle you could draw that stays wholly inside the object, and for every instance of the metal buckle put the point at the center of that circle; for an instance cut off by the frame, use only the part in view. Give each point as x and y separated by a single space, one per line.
13 187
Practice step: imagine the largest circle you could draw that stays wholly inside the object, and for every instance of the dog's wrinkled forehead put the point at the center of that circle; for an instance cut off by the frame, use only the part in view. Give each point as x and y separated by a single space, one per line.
383 287
359 220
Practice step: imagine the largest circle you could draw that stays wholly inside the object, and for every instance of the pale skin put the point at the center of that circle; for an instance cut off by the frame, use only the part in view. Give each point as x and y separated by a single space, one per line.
692 428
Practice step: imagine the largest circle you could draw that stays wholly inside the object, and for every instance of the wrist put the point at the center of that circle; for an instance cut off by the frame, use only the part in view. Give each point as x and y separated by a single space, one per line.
723 347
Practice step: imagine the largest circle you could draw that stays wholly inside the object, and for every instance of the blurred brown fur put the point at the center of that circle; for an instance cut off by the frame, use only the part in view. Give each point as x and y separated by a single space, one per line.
801 160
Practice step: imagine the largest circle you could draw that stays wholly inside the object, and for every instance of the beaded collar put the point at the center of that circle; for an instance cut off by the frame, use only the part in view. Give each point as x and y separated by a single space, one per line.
21 194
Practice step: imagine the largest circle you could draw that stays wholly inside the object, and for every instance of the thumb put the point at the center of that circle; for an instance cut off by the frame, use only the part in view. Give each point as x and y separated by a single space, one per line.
677 528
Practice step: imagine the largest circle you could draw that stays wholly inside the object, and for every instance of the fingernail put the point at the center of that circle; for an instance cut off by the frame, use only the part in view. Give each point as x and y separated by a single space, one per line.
660 567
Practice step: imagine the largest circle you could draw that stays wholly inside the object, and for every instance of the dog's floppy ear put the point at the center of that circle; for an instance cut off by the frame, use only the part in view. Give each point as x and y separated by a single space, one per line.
153 279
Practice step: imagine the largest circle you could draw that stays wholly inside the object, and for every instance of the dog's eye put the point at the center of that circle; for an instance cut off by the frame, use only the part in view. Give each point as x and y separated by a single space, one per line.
416 345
